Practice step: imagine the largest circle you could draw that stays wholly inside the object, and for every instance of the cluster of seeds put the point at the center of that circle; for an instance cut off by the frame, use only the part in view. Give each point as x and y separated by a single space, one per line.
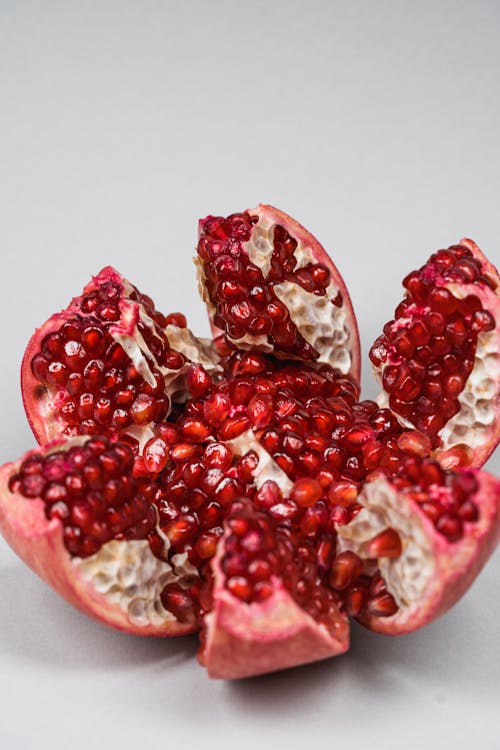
244 298
258 553
90 489
427 352
447 498
97 385
194 494
293 409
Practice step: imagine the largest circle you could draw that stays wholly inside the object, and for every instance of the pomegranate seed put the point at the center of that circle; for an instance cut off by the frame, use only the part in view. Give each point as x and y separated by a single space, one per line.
306 492
345 569
450 526
386 544
382 605
239 587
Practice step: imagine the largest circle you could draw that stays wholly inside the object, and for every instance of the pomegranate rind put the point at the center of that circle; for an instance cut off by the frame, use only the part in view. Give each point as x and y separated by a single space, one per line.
244 640
453 565
272 216
39 543
474 432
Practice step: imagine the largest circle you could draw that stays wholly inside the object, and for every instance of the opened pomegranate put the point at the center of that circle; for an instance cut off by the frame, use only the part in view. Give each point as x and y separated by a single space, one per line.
439 359
108 364
270 286
250 495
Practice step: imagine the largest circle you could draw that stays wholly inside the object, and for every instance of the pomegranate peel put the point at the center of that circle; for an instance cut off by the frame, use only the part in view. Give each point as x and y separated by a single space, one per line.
270 286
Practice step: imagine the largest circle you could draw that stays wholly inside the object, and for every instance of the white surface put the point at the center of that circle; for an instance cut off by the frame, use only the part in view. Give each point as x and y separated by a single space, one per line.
374 124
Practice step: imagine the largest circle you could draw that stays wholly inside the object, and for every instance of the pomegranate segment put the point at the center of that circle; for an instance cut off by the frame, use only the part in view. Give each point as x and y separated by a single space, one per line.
428 536
269 607
270 286
110 363
79 519
439 359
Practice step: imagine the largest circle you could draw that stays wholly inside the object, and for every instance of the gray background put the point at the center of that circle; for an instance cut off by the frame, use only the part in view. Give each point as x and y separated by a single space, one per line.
376 124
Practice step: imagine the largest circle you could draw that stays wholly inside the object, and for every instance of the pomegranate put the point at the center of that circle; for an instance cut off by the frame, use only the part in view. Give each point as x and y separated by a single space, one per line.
267 505
270 286
439 359
110 363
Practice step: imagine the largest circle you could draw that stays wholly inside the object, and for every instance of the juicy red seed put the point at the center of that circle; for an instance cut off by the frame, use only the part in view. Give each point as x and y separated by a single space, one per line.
176 319
414 443
441 300
268 495
240 587
385 544
247 466
306 492
468 512
355 600
262 591
234 427
57 373
382 605
259 570
346 567
451 526
198 381
343 493
260 411
194 430
178 601
143 409
216 409
184 452
155 455
217 456
206 545
483 320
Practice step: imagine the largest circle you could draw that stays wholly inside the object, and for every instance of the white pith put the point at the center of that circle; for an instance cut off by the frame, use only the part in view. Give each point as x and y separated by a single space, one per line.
320 323
130 576
198 350
195 350
267 468
408 576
